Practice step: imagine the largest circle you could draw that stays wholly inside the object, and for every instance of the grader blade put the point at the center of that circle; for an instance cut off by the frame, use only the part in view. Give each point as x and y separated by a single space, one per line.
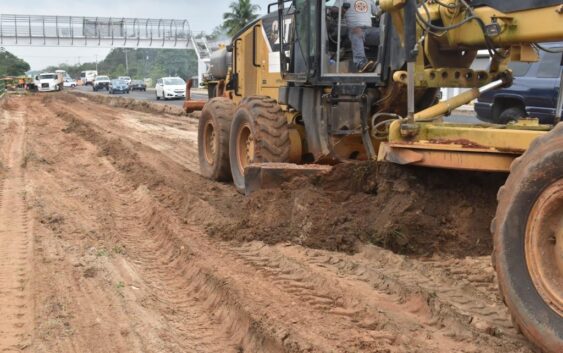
273 175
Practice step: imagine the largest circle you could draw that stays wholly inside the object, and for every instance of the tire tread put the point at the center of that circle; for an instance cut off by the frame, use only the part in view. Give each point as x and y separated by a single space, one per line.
222 109
521 167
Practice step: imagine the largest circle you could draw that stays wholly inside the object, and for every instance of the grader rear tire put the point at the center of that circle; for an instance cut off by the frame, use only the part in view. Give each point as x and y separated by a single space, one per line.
213 139
259 134
528 240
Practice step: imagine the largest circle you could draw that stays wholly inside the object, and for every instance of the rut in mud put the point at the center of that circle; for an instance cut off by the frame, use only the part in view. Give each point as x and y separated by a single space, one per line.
123 261
16 239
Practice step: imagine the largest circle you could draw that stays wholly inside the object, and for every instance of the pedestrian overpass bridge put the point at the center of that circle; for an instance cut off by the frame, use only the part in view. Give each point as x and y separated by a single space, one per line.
102 32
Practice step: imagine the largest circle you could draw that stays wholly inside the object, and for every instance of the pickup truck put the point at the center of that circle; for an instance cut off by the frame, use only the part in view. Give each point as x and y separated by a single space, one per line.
533 93
101 82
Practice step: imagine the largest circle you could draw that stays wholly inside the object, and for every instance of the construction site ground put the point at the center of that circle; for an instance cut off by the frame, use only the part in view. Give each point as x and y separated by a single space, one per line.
110 241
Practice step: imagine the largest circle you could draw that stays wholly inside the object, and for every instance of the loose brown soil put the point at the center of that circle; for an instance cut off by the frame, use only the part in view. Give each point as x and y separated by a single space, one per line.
133 104
110 241
407 210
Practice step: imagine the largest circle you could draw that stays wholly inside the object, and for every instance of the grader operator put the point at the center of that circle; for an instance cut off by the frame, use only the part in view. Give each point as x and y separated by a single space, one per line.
288 90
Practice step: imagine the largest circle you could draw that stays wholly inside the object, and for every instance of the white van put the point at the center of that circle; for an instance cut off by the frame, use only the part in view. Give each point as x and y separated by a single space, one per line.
88 77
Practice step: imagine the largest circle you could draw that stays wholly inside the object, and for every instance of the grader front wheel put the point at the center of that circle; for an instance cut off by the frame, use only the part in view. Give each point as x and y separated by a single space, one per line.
528 238
259 134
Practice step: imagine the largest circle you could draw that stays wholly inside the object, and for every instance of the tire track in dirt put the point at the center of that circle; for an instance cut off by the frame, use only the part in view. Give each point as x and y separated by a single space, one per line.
78 307
466 311
16 245
191 300
190 309
162 133
207 294
444 285
272 320
370 315
184 291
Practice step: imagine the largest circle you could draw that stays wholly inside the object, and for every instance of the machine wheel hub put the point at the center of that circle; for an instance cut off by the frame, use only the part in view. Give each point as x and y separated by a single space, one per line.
245 147
544 246
210 144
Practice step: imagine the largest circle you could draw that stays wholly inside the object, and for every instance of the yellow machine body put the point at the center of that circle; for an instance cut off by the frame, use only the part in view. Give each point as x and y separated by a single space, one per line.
253 62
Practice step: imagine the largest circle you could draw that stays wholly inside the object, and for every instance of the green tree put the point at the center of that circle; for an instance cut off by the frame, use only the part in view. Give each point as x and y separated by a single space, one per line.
143 63
11 65
242 13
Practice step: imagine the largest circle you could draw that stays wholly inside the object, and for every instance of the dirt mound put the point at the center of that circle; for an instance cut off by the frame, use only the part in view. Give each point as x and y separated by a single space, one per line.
408 210
128 103
67 98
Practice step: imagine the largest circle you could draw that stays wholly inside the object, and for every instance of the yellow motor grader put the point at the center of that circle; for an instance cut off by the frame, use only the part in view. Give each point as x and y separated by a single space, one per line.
286 91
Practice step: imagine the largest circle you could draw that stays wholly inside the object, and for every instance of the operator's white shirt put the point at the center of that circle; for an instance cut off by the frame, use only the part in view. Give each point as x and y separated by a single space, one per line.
360 12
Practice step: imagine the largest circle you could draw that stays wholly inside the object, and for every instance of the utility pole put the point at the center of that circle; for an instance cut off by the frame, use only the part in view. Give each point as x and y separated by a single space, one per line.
96 62
145 67
126 62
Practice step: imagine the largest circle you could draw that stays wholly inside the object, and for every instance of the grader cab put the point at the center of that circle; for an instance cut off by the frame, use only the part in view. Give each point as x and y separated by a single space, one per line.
286 91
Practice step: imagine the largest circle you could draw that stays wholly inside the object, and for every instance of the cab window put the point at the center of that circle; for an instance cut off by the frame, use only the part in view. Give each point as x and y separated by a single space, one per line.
519 68
550 66
304 33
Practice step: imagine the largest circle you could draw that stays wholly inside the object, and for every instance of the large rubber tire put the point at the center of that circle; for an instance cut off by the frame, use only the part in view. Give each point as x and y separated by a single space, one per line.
511 114
217 115
269 132
532 179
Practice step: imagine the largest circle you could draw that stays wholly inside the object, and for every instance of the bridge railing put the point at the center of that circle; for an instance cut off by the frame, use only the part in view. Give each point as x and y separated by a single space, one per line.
93 31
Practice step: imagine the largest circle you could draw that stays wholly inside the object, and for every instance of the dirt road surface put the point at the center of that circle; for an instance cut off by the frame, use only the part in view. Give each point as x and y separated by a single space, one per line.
110 241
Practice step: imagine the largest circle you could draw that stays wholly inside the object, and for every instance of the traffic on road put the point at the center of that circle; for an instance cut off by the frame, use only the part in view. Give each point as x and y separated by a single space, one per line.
148 95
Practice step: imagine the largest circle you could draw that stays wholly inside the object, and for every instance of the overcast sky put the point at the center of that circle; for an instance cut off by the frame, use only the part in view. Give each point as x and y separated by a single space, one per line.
202 15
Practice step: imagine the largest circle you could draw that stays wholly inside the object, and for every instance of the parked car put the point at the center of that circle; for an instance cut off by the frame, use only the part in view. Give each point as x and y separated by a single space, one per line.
138 85
127 79
118 86
533 93
101 82
170 88
69 82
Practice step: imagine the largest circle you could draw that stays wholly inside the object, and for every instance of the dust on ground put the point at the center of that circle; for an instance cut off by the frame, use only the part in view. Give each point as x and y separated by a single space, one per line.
112 241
